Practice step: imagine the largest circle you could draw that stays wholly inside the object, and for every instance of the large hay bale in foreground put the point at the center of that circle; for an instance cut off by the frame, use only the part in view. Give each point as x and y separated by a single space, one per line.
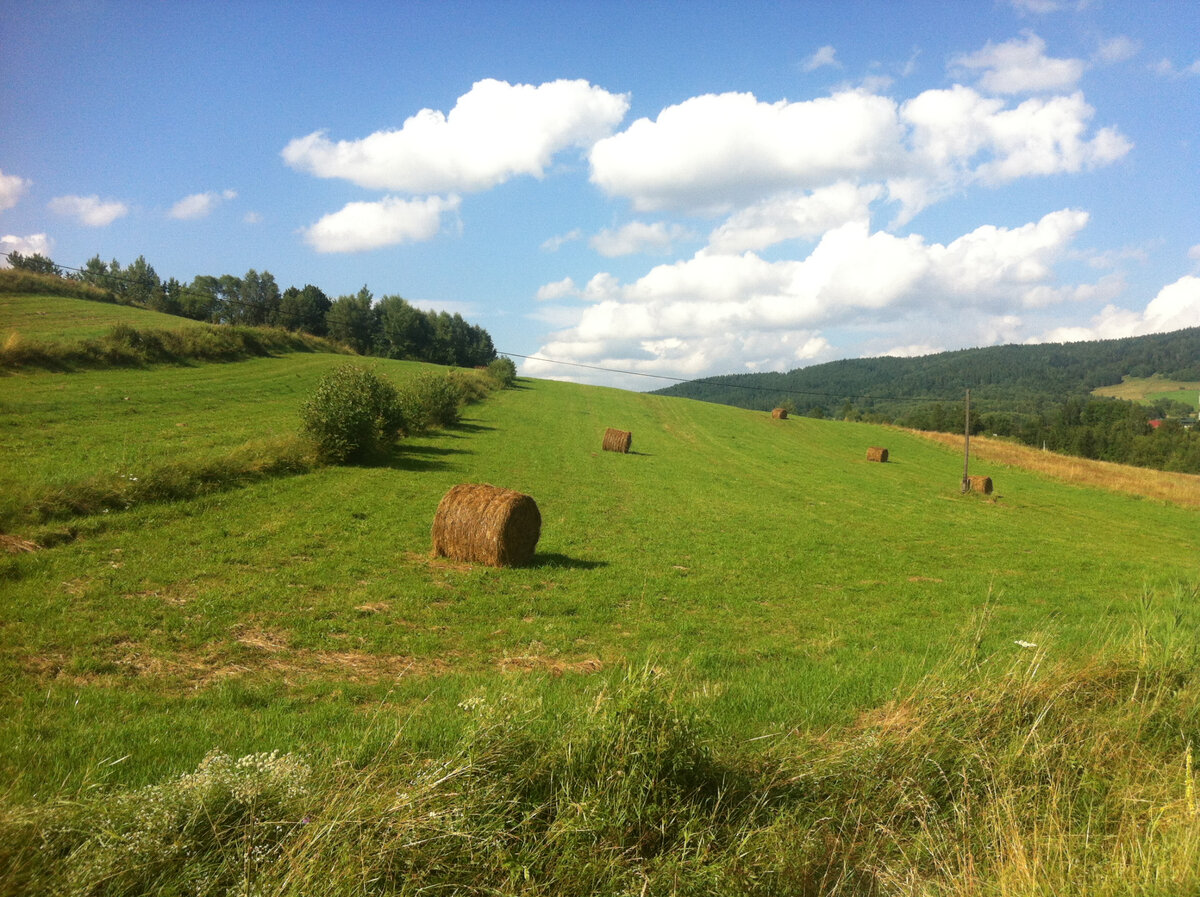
779 414
875 453
484 524
980 484
617 440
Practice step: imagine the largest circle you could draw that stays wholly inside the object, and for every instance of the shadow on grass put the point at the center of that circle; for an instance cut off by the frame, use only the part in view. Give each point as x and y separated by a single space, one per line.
561 561
422 457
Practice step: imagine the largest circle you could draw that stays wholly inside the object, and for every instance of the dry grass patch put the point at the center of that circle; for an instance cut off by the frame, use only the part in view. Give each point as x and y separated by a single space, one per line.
533 663
1177 488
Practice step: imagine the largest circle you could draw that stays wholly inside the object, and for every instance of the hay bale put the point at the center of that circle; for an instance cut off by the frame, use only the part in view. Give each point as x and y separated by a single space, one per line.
617 440
779 414
980 484
875 453
484 524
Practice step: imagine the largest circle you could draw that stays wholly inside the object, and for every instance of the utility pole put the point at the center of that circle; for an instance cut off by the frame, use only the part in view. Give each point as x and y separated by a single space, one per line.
966 483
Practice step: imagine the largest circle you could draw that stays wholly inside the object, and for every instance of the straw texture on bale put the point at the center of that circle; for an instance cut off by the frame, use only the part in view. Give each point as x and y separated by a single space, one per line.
875 453
617 440
779 414
483 524
980 484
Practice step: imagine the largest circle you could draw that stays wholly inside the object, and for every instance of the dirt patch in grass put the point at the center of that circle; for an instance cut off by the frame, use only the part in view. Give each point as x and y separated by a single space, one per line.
10 544
533 663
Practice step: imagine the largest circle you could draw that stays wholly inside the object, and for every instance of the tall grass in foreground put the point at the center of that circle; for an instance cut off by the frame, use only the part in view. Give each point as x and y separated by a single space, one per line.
1010 775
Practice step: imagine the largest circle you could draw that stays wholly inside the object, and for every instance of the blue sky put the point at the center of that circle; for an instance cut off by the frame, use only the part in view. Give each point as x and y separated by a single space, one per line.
679 189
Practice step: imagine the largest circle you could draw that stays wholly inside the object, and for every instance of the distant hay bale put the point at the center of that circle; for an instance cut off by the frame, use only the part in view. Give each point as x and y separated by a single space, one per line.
875 453
483 524
617 440
779 414
980 484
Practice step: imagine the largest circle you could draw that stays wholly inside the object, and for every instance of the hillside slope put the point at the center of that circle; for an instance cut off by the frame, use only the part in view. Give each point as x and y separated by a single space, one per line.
766 561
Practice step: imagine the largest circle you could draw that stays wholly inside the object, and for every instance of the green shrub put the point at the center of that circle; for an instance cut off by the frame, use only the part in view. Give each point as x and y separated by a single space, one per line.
430 400
354 415
503 371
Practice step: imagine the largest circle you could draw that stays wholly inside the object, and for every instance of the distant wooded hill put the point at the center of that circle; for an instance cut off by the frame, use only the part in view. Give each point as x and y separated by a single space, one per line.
1029 375
1039 394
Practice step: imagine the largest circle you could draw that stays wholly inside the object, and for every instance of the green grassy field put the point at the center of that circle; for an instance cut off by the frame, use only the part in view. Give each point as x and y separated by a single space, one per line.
58 318
788 586
1151 389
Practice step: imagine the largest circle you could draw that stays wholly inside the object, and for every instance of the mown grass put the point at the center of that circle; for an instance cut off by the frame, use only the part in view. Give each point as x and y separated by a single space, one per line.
846 709
48 318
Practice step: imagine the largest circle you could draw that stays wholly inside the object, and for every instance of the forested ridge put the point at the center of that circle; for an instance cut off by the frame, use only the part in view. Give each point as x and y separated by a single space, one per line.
389 326
1039 394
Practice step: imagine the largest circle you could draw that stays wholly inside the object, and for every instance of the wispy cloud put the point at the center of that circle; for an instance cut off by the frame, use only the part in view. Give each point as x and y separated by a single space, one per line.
637 237
556 243
825 56
200 205
89 210
1019 66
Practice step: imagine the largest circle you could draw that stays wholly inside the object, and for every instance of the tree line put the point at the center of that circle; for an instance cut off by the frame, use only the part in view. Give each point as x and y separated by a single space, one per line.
389 327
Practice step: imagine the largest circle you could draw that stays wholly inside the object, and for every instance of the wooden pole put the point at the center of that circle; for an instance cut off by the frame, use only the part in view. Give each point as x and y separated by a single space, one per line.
966 483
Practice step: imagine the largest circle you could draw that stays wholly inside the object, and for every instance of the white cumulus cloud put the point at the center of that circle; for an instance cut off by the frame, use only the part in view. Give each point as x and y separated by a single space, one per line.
359 226
1020 66
495 131
718 154
89 210
638 236
717 311
12 188
200 205
1176 306
34 244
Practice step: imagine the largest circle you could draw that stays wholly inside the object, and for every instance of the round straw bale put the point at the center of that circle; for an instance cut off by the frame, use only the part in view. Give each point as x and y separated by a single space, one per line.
779 414
483 524
617 440
875 453
980 484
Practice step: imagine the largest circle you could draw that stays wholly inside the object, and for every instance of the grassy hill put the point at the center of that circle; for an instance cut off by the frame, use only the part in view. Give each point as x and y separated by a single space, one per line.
786 588
1152 389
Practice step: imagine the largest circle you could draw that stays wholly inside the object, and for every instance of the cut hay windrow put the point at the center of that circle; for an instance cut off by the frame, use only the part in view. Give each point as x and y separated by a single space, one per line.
980 484
484 524
875 453
779 413
617 440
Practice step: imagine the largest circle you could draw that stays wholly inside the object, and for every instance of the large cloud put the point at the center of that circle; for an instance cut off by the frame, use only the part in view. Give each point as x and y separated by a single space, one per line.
720 310
716 154
370 225
12 188
89 210
495 131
